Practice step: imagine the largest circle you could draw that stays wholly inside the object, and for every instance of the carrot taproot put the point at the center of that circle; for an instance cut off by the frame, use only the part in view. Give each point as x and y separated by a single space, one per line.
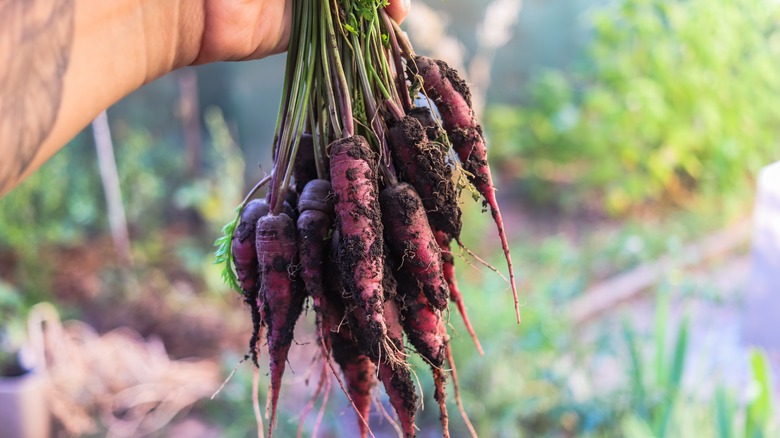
358 369
332 301
398 380
395 376
245 262
282 300
353 170
448 268
452 97
410 237
423 164
421 324
243 245
314 227
426 332
359 373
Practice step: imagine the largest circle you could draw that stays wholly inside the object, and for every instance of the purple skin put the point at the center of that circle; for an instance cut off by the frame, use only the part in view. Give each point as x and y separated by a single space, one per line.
452 97
279 297
410 237
314 228
304 169
243 245
353 171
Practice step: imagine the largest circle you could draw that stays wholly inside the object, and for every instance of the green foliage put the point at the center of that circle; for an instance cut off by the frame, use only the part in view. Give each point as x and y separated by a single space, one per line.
12 311
675 97
223 255
724 411
63 202
655 393
695 418
56 204
761 407
214 196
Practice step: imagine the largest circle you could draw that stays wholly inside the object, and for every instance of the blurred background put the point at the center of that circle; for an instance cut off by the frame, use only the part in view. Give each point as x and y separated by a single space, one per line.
626 137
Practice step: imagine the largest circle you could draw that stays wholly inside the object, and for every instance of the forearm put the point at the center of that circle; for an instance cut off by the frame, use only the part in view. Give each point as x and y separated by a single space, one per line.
64 61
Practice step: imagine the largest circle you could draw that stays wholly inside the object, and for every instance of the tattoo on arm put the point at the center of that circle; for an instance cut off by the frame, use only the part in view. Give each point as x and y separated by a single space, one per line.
35 44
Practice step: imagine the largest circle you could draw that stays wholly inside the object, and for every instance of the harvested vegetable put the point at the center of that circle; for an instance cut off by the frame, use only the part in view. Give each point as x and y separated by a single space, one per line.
361 209
314 228
453 99
411 238
279 299
361 246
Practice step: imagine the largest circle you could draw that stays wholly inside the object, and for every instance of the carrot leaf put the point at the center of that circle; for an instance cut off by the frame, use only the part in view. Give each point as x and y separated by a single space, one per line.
224 253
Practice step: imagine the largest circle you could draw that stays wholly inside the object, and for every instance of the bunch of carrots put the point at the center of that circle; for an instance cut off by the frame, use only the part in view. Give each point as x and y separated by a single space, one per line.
373 147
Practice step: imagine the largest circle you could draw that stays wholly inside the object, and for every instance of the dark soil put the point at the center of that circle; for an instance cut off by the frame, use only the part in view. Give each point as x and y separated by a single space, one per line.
413 308
424 165
411 241
360 253
423 65
425 117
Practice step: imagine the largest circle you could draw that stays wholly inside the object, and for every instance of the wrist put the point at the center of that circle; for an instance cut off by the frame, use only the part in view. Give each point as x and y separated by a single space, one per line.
190 28
172 33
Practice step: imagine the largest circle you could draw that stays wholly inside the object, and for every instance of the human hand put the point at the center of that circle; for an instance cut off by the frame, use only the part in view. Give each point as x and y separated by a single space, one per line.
236 30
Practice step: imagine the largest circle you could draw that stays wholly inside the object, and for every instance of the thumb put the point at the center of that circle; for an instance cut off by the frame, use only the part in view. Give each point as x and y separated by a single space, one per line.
398 9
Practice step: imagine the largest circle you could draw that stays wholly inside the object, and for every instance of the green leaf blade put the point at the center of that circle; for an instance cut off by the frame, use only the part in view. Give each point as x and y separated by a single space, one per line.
223 255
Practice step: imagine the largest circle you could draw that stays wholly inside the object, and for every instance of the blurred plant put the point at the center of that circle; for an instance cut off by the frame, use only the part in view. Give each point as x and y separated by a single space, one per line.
655 390
12 311
214 197
62 204
676 97
58 204
63 201
724 417
761 420
57 200
216 194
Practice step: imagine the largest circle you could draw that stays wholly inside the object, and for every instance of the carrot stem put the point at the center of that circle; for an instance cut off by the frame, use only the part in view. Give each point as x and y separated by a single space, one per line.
395 50
281 158
341 87
388 171
326 71
403 42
